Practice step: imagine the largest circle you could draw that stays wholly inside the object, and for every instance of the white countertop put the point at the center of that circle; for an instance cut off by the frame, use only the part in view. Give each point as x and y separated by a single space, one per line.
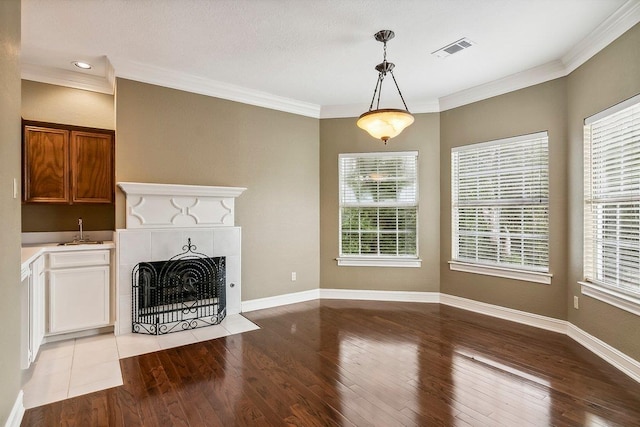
30 252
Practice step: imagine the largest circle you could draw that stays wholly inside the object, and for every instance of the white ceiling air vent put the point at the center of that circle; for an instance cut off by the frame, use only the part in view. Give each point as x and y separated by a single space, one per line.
454 47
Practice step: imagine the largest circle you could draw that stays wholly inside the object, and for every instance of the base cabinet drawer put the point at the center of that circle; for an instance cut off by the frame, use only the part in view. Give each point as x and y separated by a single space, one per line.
78 299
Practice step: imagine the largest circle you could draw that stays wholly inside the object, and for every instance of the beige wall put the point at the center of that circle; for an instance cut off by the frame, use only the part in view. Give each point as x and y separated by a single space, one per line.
343 136
537 108
9 207
175 137
610 77
56 104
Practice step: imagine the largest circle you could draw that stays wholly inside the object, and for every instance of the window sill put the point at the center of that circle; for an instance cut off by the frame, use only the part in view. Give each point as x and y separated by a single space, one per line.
507 273
378 262
612 297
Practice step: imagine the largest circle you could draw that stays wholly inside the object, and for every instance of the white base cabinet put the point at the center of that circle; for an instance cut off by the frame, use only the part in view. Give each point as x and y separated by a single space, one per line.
37 309
33 309
79 291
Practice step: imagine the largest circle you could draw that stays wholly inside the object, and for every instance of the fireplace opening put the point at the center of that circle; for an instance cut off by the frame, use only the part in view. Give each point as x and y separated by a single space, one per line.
184 292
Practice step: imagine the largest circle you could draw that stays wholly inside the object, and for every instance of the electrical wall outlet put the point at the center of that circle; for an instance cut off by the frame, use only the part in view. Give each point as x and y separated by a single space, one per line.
294 276
575 303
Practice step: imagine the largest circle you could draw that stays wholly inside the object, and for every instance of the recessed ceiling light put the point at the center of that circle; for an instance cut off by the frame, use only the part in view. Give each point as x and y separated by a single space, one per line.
83 65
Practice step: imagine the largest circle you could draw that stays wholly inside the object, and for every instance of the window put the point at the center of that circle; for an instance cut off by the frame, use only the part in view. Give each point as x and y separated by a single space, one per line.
500 208
378 209
612 200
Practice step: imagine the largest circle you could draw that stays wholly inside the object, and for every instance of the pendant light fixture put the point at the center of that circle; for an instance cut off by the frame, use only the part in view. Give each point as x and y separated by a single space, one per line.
385 123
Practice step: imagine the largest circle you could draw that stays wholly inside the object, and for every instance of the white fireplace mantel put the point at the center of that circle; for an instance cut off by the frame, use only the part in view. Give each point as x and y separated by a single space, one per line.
150 205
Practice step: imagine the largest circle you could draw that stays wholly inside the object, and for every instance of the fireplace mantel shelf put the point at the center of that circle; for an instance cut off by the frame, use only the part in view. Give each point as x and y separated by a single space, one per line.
179 190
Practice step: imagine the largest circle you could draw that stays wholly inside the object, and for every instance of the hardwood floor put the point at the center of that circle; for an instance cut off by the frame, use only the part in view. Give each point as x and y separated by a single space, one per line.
363 363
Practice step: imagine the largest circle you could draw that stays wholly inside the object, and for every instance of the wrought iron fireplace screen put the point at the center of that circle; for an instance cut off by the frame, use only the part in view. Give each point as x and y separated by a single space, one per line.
184 292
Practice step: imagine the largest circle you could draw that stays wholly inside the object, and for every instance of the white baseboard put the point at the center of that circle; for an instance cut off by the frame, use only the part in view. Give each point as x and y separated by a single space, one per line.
17 412
400 296
278 300
531 319
614 357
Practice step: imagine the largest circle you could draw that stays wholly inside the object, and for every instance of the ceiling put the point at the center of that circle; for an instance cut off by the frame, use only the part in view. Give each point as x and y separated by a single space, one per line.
317 57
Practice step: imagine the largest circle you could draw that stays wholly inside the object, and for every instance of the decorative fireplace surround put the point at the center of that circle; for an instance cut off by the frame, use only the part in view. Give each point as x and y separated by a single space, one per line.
159 219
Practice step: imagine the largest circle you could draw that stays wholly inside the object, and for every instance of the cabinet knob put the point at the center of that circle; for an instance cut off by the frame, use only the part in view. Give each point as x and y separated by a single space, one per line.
231 285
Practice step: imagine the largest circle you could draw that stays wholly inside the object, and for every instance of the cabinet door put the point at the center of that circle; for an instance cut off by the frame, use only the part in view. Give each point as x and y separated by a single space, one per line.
37 306
78 299
92 167
46 165
25 319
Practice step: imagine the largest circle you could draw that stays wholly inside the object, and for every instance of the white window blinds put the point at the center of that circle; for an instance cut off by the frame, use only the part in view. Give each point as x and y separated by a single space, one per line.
500 203
378 204
612 197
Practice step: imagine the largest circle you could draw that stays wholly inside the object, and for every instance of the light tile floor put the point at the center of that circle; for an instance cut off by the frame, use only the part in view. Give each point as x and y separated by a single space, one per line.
79 366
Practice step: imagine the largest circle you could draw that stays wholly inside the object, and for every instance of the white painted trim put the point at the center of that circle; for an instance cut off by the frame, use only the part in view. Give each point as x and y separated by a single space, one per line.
67 78
399 296
613 27
169 78
610 296
278 300
523 317
612 110
17 412
614 357
508 273
533 76
178 190
355 110
378 262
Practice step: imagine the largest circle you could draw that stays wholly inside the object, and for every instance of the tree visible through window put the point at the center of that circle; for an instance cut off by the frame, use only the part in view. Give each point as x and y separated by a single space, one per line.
378 204
500 203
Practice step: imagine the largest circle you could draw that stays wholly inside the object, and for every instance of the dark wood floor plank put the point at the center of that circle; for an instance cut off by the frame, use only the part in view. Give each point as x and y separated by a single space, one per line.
361 363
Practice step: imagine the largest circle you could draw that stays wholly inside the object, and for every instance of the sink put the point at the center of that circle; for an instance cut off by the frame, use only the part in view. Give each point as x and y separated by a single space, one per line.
81 242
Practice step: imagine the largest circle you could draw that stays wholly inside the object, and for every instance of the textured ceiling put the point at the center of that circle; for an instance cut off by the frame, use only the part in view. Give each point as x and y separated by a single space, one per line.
318 52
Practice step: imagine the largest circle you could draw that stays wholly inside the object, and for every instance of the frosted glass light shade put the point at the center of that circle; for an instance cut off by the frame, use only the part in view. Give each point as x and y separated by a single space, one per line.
385 123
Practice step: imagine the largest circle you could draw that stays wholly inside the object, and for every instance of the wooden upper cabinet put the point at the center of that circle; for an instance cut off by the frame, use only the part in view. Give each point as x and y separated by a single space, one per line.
67 164
46 165
91 167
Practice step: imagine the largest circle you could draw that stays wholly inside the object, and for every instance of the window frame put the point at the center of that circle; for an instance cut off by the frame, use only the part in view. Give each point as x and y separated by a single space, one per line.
352 260
615 295
504 270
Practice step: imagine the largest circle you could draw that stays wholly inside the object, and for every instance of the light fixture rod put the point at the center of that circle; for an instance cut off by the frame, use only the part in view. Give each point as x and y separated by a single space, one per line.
399 91
377 90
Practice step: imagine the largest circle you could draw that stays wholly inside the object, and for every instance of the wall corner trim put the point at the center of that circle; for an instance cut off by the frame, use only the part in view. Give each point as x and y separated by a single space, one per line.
397 296
523 317
17 412
278 300
614 357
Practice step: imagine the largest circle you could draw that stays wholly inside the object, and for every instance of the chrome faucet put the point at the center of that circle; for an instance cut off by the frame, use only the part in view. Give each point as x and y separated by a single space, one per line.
80 238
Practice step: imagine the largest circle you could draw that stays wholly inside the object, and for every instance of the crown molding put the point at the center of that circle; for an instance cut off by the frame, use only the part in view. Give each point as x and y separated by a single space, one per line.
613 27
68 78
533 76
145 73
354 110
